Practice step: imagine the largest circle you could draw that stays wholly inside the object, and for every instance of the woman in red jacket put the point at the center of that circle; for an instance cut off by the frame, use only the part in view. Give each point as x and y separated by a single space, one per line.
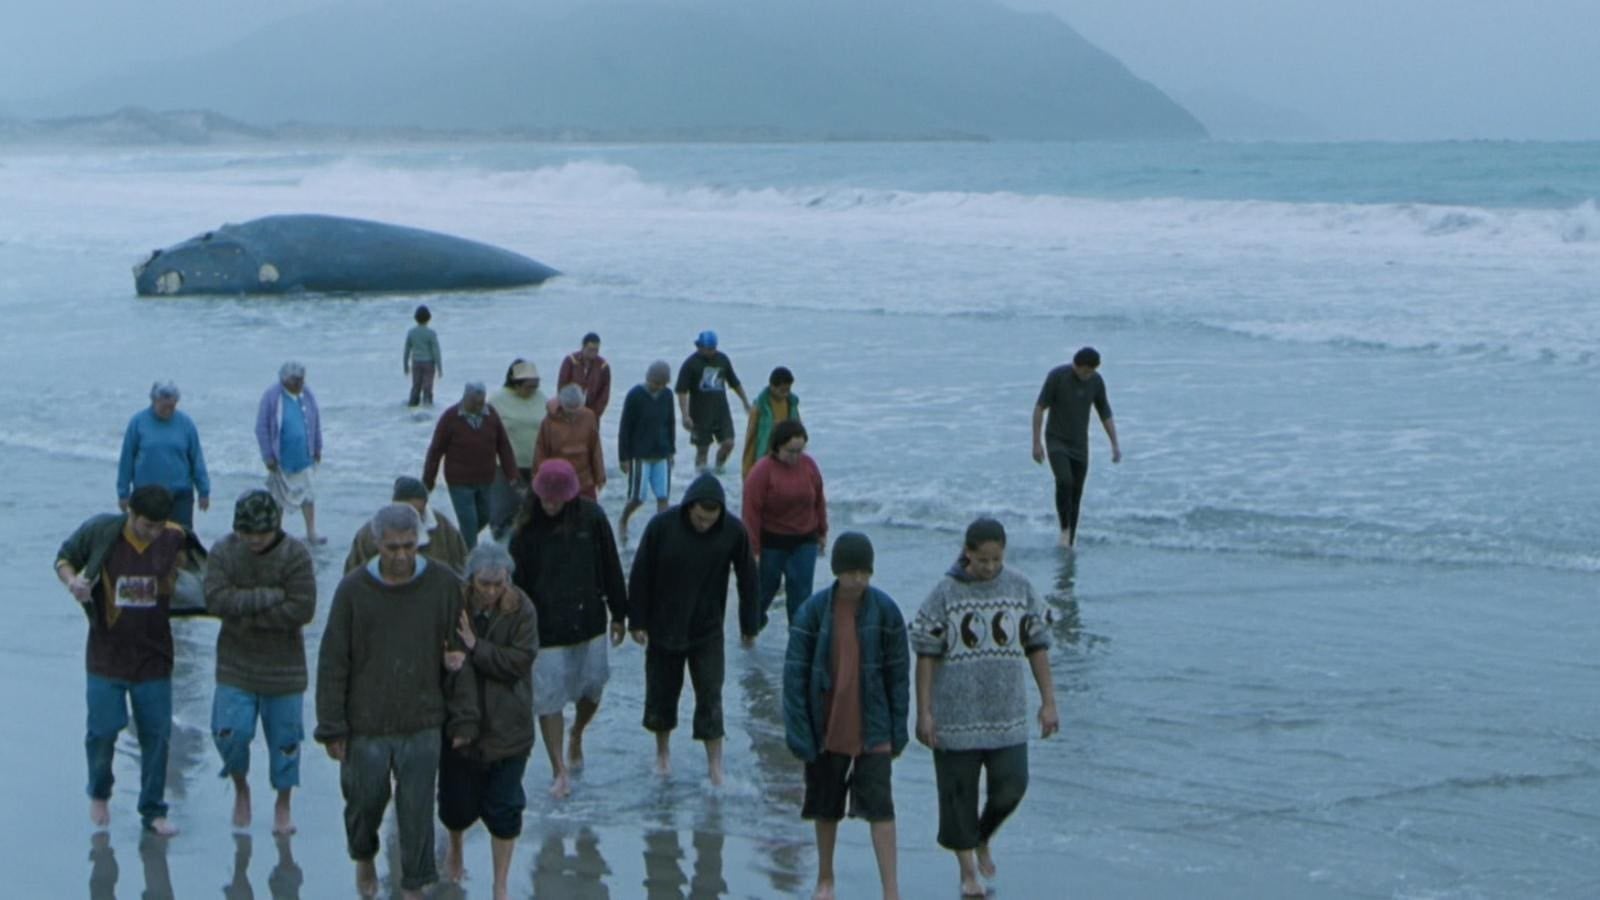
786 513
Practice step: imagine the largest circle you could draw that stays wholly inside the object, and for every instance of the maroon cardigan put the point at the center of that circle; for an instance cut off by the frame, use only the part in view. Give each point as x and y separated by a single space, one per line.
469 453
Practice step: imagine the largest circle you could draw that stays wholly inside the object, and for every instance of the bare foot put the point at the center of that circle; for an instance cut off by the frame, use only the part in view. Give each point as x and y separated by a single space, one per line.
561 786
972 887
454 868
824 891
985 862
366 878
663 765
162 827
282 822
1066 541
100 813
241 806
501 892
715 774
316 540
575 752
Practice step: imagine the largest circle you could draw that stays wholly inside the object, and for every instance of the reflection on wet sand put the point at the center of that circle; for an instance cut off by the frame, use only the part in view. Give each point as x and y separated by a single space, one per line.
780 773
102 868
580 876
282 884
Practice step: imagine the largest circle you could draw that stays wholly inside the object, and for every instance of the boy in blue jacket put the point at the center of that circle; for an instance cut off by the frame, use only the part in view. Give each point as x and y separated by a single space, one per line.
846 696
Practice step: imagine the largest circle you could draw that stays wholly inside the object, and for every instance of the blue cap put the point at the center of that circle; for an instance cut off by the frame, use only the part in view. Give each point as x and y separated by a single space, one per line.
707 338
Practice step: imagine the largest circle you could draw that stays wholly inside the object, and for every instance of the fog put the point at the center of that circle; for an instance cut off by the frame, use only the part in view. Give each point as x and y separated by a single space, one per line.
1389 69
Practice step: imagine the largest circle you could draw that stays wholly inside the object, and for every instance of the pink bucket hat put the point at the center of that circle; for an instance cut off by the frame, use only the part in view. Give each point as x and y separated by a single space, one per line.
556 481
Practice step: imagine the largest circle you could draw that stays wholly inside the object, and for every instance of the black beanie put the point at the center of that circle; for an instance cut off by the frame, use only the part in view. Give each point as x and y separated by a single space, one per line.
852 552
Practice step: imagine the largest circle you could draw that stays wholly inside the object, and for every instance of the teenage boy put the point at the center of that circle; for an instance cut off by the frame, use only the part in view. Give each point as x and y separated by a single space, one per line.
846 696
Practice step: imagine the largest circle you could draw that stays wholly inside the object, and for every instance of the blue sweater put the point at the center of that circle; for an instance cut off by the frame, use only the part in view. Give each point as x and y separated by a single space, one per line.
885 673
162 452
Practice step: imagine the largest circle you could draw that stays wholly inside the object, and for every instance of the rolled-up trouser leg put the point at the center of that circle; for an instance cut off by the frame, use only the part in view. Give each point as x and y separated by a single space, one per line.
364 781
706 673
1006 771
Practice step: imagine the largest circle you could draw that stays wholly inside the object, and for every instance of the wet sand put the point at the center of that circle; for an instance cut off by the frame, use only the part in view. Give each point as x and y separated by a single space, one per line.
1124 803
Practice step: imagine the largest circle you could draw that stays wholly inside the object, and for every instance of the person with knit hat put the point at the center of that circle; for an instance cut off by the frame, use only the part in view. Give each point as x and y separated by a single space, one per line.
262 584
522 408
439 539
646 442
483 780
846 697
472 443
566 560
702 389
978 636
571 432
677 600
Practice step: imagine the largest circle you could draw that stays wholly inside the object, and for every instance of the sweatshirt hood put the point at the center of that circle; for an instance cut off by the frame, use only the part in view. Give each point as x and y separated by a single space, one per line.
706 487
958 570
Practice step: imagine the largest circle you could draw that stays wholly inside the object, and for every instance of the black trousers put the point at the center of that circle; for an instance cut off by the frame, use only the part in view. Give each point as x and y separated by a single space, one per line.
663 683
957 774
1070 475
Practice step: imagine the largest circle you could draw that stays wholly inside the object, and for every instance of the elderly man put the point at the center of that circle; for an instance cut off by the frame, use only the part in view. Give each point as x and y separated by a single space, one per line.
289 432
571 432
588 370
702 389
162 446
121 569
469 439
261 583
391 685
646 441
439 539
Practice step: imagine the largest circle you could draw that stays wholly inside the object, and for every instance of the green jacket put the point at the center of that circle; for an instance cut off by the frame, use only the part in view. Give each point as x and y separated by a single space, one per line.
762 421
87 548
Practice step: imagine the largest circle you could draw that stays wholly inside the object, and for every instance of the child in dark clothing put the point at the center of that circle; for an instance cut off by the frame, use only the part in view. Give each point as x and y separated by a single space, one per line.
846 696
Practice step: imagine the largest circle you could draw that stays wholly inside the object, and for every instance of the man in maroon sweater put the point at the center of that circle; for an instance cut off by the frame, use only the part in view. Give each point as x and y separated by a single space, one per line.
469 438
588 370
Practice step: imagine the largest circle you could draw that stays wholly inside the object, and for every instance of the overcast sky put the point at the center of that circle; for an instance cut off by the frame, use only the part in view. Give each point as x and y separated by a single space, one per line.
1404 69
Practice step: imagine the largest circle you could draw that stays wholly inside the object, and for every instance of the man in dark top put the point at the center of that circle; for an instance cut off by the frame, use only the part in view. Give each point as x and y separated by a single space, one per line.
702 389
1068 394
392 687
122 569
677 597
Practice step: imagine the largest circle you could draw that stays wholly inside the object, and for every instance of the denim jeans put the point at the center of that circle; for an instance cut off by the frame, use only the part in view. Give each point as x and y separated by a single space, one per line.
152 716
183 508
797 570
233 727
471 502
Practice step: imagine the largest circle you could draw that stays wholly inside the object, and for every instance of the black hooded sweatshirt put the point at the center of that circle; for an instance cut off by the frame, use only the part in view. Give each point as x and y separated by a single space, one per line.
678 591
568 566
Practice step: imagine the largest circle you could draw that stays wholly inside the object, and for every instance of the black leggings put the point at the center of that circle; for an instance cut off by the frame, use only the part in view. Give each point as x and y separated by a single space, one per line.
1070 475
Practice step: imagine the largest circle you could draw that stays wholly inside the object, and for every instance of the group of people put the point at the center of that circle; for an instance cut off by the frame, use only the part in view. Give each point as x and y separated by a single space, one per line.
443 658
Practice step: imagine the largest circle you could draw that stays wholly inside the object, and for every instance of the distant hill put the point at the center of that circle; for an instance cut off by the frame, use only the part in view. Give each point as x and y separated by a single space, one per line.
133 125
758 69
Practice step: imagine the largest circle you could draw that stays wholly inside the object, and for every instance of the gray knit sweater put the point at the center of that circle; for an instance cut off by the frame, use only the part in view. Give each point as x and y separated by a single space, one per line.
263 599
981 632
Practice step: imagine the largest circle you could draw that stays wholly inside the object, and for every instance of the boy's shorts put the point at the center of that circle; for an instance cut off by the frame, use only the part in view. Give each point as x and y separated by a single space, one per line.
865 779
649 476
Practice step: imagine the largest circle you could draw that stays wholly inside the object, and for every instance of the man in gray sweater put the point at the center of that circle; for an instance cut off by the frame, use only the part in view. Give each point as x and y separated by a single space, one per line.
390 677
262 584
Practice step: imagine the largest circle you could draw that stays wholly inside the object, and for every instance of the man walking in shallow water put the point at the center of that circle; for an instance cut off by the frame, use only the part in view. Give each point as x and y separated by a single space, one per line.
1069 392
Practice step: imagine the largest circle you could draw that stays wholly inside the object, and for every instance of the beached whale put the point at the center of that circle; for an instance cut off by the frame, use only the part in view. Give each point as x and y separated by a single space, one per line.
289 254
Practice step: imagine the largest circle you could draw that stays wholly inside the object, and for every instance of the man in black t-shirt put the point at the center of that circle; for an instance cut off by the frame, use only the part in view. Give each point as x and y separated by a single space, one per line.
702 389
1069 392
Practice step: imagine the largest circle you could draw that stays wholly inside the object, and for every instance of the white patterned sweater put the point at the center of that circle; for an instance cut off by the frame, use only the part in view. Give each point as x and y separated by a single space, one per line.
981 632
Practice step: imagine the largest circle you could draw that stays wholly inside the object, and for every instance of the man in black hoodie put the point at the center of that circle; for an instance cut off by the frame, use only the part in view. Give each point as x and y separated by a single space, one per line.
677 598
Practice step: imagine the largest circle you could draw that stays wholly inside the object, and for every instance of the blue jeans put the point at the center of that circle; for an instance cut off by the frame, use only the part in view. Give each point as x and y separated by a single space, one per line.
471 502
152 716
795 568
183 507
233 727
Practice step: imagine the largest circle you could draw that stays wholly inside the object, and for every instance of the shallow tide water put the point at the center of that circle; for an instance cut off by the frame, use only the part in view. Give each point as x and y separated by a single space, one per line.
1331 631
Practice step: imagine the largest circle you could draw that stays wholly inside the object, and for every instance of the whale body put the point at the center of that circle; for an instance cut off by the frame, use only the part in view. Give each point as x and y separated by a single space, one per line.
330 254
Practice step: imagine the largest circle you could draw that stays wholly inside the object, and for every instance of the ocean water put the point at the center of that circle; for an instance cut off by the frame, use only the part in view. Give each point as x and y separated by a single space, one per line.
1331 631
